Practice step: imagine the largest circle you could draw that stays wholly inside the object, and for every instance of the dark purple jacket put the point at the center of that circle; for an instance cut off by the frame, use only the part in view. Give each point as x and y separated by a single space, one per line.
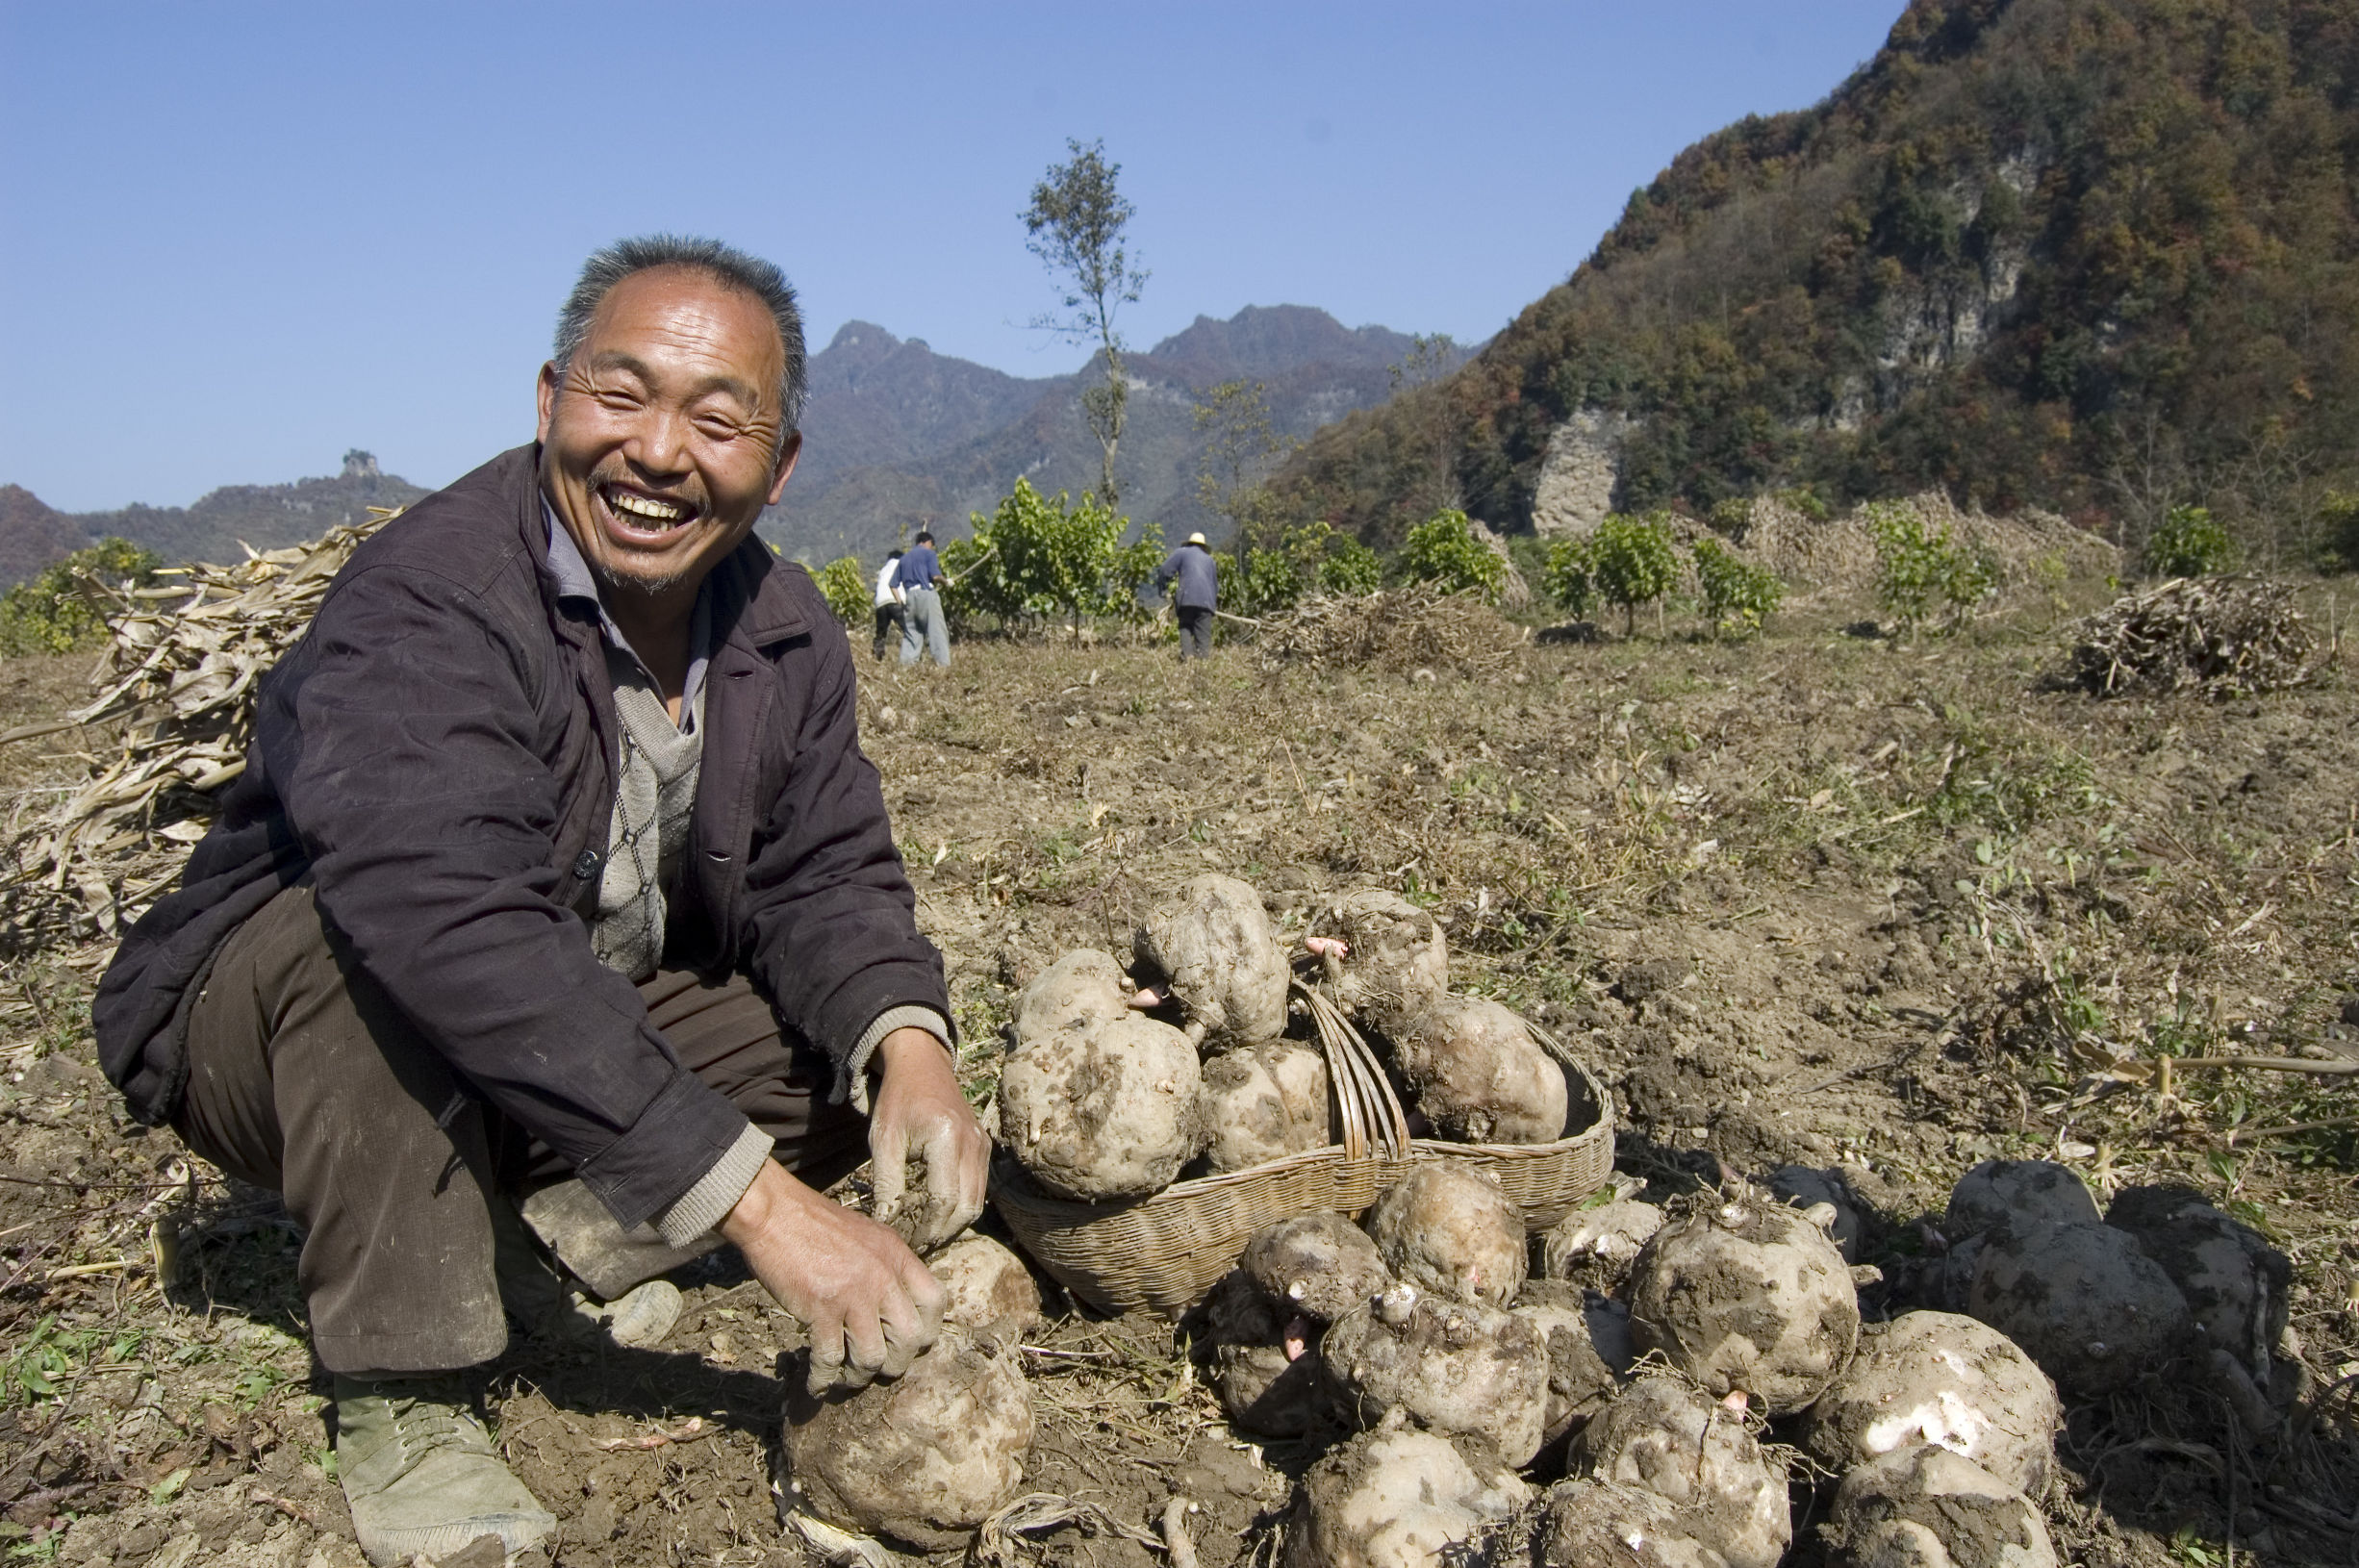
437 756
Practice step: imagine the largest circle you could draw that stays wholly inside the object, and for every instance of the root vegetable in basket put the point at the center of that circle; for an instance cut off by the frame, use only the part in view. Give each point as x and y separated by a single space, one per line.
1398 1500
1447 1228
1213 941
986 1286
1447 1366
1398 960
923 1459
1746 1294
1938 1377
1477 1075
1264 1102
1926 1508
1103 1115
1698 1456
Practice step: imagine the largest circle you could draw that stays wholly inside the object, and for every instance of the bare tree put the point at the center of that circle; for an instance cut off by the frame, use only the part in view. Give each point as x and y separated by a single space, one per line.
1241 445
1075 221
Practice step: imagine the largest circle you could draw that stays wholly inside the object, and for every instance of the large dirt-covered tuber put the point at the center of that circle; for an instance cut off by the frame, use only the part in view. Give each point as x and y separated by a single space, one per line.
1447 1366
1321 1265
922 1459
1926 1508
1105 1114
1398 1500
986 1286
1592 1522
1079 995
1803 1187
2084 1300
1212 941
1263 1103
1398 961
1580 1382
2235 1282
1476 1073
1745 1294
1938 1377
1595 1247
1697 1454
1446 1226
2018 1191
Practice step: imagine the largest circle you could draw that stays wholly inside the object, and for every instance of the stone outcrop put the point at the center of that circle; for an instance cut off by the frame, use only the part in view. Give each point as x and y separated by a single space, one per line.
1576 483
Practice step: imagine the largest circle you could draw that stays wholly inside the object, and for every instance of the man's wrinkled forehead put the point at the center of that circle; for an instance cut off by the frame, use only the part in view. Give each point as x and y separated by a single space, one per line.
684 317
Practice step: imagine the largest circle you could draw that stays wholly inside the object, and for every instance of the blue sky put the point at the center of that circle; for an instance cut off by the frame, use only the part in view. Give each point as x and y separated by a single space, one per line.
236 238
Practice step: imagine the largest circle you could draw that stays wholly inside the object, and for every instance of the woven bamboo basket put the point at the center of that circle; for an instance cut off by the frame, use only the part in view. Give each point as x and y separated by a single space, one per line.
1165 1252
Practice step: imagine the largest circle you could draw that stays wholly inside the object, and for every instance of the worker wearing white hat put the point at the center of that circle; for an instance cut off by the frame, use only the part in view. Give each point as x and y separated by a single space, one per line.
1199 575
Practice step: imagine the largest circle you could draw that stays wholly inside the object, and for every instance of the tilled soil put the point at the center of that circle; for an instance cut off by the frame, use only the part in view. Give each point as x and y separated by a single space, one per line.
1814 899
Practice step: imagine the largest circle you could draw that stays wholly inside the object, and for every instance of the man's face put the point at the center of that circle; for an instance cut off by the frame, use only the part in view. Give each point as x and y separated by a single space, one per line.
660 441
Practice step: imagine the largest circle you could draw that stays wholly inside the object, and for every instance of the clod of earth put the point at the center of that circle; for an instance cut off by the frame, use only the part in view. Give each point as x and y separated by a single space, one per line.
1478 1073
1105 1114
1938 1377
986 1286
2021 1190
2084 1300
1398 962
1580 1382
1590 1521
1745 1294
1319 1265
2235 1282
1447 1228
1214 942
1663 1436
1926 1508
1451 1367
1595 1247
1263 1103
1397 1499
923 1459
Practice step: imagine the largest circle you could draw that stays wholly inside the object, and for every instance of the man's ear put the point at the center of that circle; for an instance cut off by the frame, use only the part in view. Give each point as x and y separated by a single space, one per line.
545 398
787 454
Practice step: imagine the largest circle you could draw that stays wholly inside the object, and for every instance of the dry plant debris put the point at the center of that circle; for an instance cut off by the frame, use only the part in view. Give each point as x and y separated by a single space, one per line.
1398 630
2221 636
179 678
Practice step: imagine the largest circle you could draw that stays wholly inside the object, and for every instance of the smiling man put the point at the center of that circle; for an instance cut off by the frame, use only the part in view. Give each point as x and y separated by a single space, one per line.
558 897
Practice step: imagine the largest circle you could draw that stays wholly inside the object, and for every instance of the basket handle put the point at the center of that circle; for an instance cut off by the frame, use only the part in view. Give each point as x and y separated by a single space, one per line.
1368 1108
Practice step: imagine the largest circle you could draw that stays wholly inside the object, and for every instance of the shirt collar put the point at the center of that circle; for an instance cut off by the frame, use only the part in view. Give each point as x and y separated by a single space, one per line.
575 582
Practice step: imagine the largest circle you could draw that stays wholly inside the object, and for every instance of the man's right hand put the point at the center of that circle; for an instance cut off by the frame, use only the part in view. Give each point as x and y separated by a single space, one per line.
870 1304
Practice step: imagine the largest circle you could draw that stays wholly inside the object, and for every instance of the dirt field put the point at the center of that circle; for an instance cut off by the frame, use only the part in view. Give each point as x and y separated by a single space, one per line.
1818 898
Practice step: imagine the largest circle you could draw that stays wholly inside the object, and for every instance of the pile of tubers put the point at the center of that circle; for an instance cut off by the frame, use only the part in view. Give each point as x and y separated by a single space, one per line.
1191 1063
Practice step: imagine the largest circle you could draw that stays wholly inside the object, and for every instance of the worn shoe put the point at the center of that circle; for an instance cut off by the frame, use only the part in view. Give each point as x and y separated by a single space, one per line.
636 1320
420 1473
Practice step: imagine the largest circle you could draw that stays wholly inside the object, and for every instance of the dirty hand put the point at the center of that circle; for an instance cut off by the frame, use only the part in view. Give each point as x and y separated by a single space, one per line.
870 1304
921 1119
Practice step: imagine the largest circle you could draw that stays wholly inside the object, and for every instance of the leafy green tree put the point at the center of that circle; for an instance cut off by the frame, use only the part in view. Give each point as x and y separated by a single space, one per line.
1077 221
1738 595
1633 561
1570 577
1036 556
2188 543
1444 551
845 583
1306 558
53 613
1350 569
1241 444
1919 570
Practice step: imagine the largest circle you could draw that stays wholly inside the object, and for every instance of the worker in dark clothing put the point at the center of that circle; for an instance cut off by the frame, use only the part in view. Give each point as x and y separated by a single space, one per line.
1199 577
918 578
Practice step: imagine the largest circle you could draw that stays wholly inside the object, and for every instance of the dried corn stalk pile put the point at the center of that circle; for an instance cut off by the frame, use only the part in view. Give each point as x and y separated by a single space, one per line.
2222 636
179 678
1401 629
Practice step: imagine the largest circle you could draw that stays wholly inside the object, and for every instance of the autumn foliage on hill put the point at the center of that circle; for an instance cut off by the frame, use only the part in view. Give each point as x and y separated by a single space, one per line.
2091 255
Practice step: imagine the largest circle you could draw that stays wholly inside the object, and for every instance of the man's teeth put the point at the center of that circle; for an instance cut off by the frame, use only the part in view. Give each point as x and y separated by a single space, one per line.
642 506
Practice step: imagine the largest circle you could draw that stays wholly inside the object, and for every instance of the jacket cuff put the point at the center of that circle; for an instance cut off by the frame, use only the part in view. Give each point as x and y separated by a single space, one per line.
717 1190
909 1016
680 1135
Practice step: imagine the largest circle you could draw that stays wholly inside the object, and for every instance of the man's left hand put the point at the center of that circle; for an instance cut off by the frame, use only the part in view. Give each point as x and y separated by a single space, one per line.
922 1118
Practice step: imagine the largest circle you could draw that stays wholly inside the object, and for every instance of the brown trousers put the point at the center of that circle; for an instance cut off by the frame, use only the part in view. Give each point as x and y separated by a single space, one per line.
305 1078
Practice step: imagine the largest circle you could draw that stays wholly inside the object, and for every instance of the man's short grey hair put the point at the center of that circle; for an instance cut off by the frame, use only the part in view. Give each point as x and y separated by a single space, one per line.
724 264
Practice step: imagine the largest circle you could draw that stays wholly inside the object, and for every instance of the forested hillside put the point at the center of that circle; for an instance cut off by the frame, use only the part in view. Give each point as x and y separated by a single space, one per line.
2092 255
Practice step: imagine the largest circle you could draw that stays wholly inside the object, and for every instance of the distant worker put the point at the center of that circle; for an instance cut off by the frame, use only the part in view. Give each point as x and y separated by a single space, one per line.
1200 584
889 615
917 578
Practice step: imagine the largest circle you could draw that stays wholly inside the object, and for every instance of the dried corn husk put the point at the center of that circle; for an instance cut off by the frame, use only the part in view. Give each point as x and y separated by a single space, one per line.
1401 629
2221 636
178 675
